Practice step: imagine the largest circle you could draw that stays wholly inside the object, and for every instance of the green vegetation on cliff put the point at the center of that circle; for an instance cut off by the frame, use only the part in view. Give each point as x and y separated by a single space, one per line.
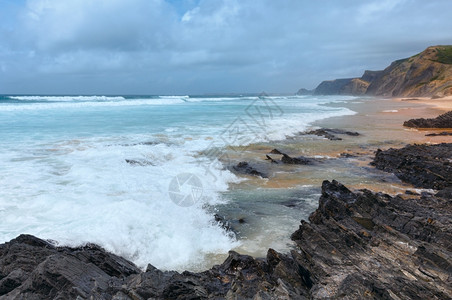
444 55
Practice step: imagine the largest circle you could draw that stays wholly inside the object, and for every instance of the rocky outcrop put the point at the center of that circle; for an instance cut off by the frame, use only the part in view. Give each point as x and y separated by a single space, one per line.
245 168
286 159
357 245
31 268
428 73
361 245
330 133
442 121
426 166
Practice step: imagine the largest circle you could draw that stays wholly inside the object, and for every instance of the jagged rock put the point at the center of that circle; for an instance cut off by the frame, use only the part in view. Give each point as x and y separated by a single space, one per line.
361 245
340 131
48 272
442 121
31 268
276 151
426 166
300 160
329 133
286 159
271 159
245 168
445 193
324 133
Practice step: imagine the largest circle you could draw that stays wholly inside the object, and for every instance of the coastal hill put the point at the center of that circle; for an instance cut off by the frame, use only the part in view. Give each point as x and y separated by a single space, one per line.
427 74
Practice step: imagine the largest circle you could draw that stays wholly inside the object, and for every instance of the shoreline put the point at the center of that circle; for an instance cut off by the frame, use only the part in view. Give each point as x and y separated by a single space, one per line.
347 161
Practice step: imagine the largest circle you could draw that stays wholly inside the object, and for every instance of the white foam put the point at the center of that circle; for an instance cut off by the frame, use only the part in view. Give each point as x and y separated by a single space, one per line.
84 191
72 105
221 99
67 98
174 97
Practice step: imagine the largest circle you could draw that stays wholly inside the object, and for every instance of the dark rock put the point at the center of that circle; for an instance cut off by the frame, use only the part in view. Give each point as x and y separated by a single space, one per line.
445 193
426 166
276 151
355 241
330 133
444 133
340 131
347 155
245 168
408 192
300 160
286 159
271 159
324 133
442 121
35 269
140 162
222 222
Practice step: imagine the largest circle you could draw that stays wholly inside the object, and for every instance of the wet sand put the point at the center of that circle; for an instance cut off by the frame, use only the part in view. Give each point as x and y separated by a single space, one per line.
380 124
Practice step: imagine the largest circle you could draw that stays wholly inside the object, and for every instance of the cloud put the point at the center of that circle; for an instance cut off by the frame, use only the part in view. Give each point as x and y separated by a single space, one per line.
108 24
373 10
191 46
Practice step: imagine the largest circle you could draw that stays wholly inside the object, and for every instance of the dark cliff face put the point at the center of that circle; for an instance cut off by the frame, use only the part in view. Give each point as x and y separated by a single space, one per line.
428 73
344 86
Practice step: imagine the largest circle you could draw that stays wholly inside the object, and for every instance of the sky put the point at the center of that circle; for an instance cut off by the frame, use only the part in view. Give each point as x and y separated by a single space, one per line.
172 47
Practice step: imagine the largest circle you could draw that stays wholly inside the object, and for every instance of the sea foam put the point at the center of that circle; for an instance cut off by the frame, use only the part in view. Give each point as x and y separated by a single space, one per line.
65 174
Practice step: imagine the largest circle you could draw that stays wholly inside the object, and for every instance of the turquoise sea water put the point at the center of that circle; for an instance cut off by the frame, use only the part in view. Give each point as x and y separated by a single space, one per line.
99 169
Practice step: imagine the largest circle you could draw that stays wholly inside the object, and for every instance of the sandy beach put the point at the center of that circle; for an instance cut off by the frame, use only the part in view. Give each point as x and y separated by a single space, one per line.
443 104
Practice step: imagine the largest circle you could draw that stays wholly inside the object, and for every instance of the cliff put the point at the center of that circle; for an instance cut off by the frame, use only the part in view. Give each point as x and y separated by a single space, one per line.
428 73
347 86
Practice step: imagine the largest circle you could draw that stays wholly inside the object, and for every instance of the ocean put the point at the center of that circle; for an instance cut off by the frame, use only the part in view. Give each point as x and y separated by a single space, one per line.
142 176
